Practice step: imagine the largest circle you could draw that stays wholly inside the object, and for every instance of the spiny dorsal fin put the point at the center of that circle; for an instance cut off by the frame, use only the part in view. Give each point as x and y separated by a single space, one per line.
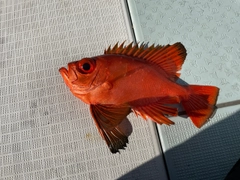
169 58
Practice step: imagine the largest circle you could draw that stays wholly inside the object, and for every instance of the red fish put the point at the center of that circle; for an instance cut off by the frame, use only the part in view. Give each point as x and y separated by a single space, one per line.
142 80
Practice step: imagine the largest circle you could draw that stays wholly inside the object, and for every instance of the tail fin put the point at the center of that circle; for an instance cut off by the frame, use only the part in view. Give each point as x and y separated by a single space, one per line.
200 104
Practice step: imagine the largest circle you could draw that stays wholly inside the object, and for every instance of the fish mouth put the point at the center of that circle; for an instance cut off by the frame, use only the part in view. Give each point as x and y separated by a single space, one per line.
69 73
64 71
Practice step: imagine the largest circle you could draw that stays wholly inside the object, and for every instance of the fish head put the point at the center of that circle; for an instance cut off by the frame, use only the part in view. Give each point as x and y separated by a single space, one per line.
83 76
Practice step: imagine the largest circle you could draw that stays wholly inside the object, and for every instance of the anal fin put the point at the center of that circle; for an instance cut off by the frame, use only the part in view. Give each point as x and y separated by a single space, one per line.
156 111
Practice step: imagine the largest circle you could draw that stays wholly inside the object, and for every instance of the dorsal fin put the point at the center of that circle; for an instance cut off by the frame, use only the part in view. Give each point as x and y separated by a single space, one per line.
169 58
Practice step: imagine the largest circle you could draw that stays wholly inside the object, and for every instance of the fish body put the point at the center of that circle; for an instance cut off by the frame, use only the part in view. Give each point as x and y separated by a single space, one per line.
125 80
138 79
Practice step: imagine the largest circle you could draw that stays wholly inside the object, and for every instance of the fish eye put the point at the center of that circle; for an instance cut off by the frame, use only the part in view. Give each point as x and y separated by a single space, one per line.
86 65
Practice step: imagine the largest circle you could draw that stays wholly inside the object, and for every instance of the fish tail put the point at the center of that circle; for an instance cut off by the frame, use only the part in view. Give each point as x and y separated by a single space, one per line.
200 104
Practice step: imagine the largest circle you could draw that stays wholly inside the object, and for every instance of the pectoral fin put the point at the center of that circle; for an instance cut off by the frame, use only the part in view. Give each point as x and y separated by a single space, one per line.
110 121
